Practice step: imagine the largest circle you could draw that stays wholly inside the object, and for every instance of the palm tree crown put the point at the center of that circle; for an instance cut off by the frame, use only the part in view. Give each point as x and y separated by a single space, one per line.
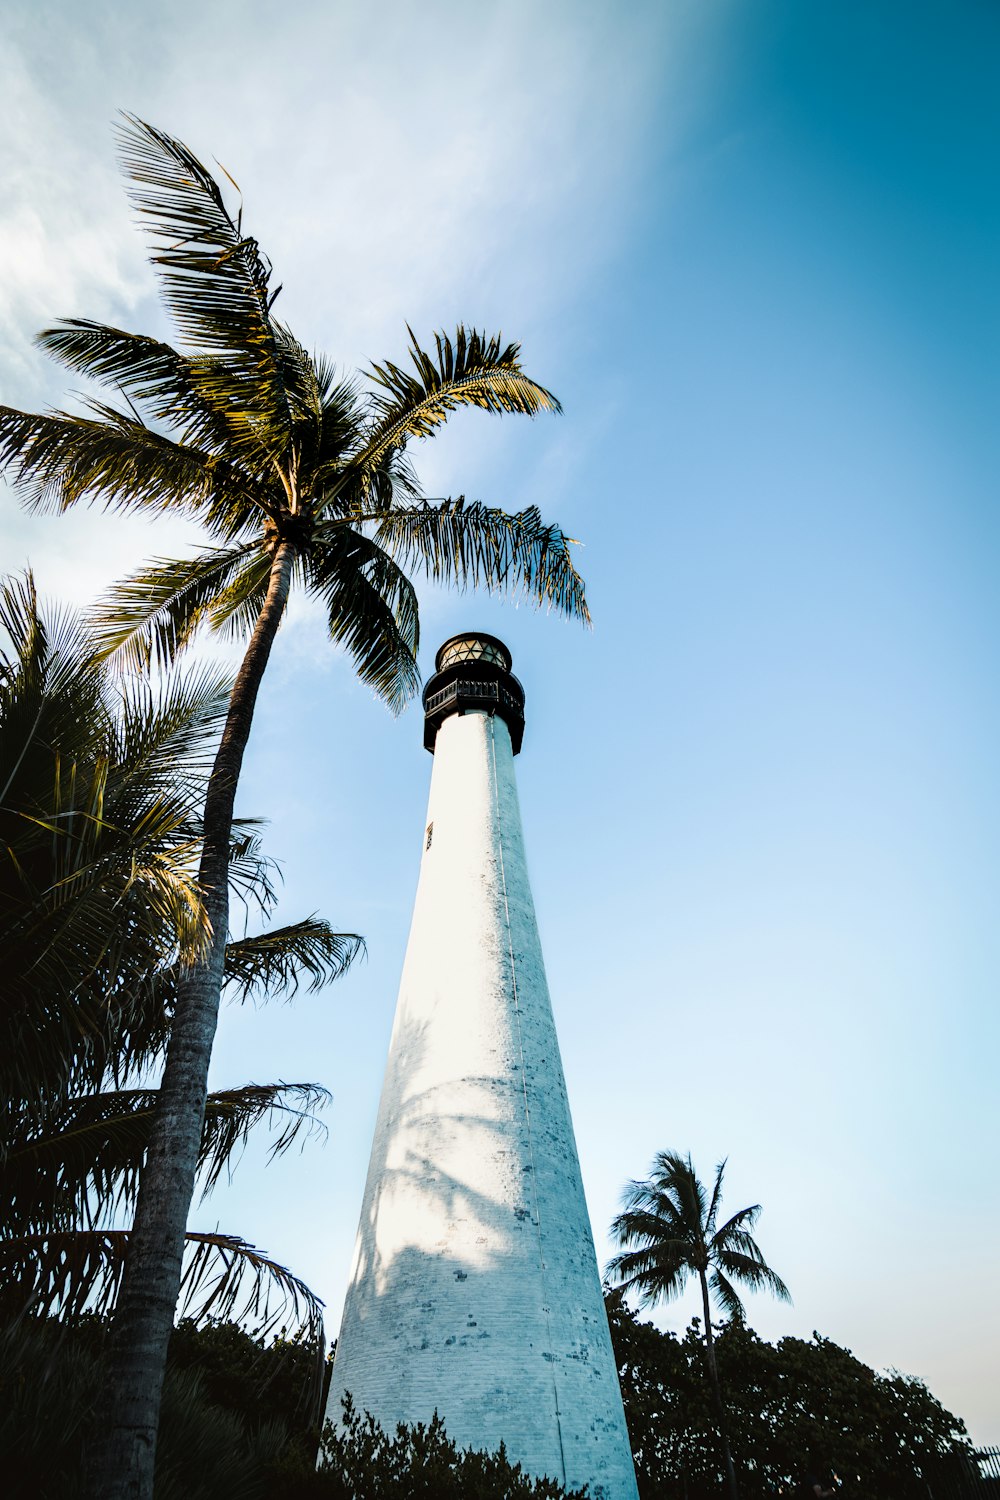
265 444
670 1229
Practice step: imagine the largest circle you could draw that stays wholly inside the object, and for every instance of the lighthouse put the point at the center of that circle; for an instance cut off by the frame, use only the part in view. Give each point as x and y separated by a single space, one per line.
474 1290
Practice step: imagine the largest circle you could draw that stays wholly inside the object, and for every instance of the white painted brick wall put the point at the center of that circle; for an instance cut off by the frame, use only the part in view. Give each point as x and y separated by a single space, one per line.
475 1289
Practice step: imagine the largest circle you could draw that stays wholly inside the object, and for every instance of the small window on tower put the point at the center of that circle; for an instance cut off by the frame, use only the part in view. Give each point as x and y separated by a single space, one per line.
430 835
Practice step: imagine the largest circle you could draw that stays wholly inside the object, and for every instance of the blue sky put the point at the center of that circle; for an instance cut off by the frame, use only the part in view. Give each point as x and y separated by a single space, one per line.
752 247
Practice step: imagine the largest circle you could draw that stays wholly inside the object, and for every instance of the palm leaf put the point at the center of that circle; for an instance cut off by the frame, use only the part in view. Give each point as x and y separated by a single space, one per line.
73 1270
753 1271
235 609
49 688
76 1271
231 1114
100 791
638 1225
371 610
215 280
83 1164
172 723
275 962
713 1207
727 1296
462 543
111 457
646 1271
227 1277
145 369
151 617
745 1219
472 370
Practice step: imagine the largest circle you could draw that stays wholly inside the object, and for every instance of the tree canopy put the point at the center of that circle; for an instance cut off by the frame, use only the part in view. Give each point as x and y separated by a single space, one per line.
786 1404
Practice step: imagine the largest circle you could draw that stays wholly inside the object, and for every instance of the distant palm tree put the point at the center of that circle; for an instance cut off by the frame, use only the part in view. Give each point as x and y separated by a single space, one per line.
669 1231
299 475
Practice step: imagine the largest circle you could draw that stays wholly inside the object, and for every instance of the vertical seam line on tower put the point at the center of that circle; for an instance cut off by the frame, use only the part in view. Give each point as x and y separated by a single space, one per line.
524 1087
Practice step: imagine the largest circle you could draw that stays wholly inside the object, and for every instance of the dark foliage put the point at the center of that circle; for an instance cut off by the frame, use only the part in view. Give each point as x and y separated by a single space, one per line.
239 1423
50 1374
101 781
255 1379
787 1403
361 1462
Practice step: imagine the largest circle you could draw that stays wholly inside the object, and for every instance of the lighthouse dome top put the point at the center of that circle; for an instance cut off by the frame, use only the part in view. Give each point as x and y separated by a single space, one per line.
473 646
473 676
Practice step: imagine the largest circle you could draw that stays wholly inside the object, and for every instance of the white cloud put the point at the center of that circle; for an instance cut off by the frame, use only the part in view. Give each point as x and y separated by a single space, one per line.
411 162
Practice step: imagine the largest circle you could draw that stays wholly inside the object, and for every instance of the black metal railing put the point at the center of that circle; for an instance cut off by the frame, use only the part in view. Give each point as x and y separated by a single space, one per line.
971 1475
498 695
487 692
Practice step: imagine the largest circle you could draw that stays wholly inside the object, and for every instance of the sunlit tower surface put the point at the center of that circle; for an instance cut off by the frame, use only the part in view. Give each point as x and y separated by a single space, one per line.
475 1289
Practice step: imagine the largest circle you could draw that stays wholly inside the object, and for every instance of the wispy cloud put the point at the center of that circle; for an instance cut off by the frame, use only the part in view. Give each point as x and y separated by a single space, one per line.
429 163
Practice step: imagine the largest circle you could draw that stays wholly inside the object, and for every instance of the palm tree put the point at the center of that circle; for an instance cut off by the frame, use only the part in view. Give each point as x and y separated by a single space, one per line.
101 782
99 803
298 475
669 1231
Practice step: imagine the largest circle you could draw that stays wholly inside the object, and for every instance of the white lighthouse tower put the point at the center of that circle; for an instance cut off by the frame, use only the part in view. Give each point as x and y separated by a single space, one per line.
475 1289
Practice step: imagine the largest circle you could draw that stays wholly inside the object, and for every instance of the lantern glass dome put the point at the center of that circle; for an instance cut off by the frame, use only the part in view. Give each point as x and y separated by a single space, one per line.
473 648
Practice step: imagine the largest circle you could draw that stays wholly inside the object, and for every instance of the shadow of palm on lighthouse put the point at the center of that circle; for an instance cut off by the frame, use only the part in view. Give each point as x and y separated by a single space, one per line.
413 1192
475 1290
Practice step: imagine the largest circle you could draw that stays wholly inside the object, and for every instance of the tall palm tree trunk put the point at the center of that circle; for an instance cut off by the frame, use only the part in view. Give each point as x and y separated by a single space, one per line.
123 1450
713 1375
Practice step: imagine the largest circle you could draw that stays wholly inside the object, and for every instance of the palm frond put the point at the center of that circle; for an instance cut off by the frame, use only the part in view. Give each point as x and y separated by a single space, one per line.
82 1163
230 1115
307 382
151 617
77 1271
276 962
235 608
227 1277
727 1296
77 950
753 1271
50 689
110 458
654 1277
145 369
255 967
340 418
471 370
253 876
687 1186
371 610
215 280
639 1224
101 787
165 734
713 1207
466 543
72 1271
745 1219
